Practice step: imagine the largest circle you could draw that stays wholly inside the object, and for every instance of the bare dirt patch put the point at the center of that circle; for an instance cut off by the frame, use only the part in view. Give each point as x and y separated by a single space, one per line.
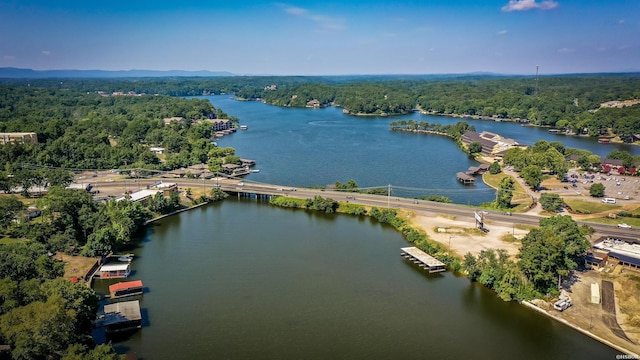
462 236
75 266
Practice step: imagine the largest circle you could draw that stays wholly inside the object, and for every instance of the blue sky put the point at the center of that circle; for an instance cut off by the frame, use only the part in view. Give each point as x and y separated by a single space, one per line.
323 37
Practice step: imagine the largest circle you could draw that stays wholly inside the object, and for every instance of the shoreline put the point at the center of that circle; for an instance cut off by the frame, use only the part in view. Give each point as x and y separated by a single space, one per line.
524 302
577 328
174 213
523 122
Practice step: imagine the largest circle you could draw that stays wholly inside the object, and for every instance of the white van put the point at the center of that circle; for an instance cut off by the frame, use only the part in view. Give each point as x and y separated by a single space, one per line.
609 200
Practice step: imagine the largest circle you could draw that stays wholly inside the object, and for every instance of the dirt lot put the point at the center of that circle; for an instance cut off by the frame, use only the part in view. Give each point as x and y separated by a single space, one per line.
462 236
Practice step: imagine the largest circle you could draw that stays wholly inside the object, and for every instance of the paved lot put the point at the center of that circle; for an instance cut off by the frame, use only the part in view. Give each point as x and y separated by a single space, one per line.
625 189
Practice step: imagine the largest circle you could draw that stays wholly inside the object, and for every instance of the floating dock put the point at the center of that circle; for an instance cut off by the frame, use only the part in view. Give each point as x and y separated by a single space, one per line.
423 259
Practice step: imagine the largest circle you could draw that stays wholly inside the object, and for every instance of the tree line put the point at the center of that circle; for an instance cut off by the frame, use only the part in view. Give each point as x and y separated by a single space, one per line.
89 131
568 102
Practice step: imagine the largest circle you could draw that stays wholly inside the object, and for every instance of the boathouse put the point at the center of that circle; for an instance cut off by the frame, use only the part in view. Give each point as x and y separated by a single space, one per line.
423 259
127 288
121 316
115 270
465 179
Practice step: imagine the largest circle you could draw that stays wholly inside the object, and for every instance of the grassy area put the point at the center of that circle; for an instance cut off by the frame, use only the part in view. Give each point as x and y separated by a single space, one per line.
25 201
4 241
520 195
590 207
508 238
634 222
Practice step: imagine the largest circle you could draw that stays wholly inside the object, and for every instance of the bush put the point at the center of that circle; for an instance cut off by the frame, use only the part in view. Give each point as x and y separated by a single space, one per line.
596 190
352 209
495 168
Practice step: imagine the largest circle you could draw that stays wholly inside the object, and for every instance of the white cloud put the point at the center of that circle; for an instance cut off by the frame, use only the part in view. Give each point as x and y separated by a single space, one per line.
328 23
502 32
324 22
46 52
295 10
524 5
566 50
9 57
621 22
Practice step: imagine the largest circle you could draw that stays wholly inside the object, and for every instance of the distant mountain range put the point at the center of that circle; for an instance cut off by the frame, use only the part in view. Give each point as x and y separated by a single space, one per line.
16 73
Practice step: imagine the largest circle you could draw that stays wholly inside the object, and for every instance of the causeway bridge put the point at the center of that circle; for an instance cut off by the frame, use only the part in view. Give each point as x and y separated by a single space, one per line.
251 189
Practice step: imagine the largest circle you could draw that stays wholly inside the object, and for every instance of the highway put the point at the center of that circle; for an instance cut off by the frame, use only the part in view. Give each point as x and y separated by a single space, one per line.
426 208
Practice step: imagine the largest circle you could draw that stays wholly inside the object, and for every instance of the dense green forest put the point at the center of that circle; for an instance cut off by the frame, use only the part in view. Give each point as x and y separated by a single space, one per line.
89 131
567 102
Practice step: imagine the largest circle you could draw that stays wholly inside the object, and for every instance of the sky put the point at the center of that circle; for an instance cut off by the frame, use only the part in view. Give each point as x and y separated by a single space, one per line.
347 37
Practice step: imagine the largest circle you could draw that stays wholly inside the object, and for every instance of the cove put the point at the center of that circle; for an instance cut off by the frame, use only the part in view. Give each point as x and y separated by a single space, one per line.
241 279
315 147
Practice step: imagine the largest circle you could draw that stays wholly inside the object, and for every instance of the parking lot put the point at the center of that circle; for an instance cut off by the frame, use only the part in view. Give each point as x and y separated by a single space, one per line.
625 189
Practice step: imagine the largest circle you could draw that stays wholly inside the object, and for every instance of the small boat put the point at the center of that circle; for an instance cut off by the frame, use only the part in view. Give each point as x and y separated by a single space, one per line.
125 258
256 170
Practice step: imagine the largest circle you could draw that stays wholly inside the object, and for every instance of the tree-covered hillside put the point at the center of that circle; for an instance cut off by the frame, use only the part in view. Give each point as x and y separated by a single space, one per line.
90 131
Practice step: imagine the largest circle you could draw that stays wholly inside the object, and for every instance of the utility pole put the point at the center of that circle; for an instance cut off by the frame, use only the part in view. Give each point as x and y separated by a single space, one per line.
389 195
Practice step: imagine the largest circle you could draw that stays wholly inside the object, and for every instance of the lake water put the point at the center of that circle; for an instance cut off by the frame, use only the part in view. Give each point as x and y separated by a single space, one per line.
243 280
307 147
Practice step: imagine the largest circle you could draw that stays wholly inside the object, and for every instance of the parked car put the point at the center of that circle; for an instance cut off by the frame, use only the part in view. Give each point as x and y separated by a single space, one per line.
624 226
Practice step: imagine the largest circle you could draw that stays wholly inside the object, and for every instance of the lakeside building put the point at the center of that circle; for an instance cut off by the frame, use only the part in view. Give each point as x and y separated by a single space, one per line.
219 124
140 195
492 144
18 138
615 251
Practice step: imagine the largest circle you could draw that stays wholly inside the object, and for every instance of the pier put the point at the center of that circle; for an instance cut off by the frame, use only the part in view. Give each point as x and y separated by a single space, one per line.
423 259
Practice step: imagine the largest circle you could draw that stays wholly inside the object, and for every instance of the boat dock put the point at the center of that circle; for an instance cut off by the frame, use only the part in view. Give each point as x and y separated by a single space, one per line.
121 316
423 259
